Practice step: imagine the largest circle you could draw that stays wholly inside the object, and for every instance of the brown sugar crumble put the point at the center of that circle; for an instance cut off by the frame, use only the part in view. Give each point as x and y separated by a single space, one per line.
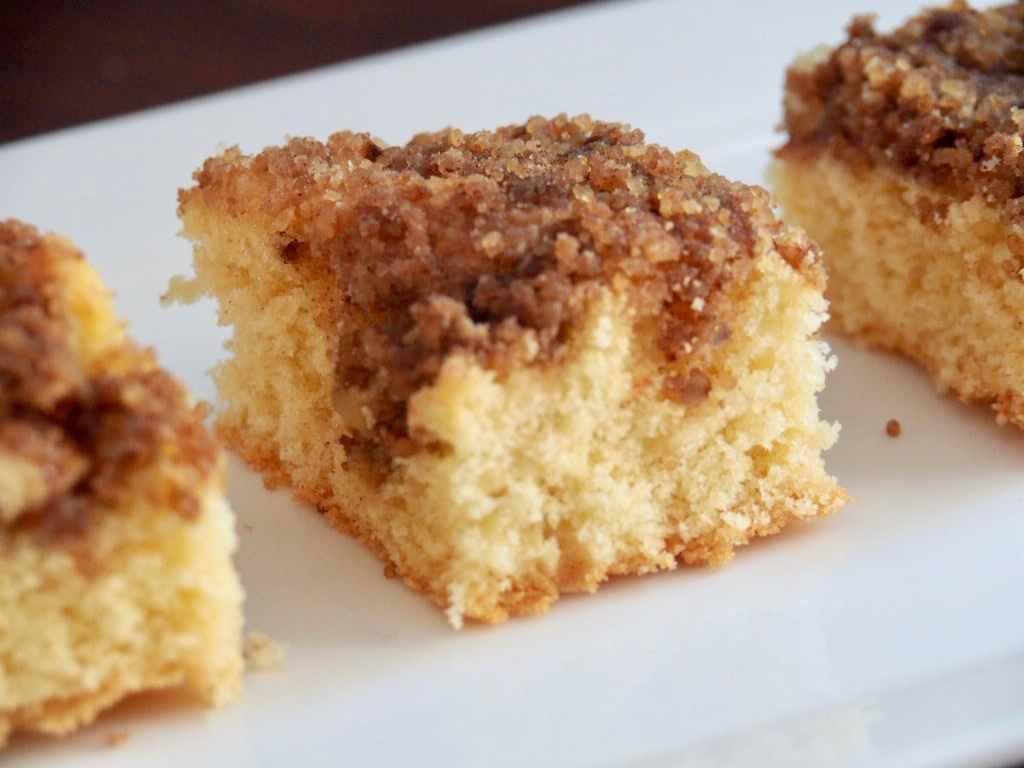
84 431
490 244
893 428
939 97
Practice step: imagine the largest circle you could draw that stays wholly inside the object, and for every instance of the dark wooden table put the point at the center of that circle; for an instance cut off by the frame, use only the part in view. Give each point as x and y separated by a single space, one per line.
65 62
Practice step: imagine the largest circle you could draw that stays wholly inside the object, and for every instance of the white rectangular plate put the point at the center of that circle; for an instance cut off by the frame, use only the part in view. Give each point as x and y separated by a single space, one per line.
889 635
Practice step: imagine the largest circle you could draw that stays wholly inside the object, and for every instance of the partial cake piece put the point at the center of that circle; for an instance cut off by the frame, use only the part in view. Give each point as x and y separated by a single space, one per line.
905 163
515 363
115 539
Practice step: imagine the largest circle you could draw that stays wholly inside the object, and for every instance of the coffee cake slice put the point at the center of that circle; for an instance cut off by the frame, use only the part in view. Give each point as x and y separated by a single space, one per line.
905 162
115 538
515 363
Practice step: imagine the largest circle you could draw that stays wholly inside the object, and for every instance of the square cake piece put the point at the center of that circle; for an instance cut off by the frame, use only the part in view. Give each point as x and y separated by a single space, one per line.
515 363
115 538
905 162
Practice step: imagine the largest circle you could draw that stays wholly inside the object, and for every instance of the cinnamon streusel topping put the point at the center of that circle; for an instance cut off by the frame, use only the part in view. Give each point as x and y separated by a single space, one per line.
940 97
81 431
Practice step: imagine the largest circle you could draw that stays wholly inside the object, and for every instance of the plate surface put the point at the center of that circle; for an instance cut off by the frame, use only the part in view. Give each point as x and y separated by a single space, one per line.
892 634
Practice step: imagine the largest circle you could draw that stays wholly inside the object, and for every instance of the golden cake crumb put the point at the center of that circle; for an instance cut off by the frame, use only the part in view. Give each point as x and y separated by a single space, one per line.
893 428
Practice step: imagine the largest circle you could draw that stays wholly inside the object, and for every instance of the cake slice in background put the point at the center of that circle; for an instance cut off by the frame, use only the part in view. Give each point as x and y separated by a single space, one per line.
516 363
115 538
904 161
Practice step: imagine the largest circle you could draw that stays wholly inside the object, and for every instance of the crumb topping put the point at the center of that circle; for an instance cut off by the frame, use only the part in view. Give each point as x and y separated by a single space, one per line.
84 432
940 97
491 244
893 428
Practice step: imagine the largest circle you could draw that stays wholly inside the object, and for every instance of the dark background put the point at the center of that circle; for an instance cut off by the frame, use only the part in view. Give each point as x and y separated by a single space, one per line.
65 63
